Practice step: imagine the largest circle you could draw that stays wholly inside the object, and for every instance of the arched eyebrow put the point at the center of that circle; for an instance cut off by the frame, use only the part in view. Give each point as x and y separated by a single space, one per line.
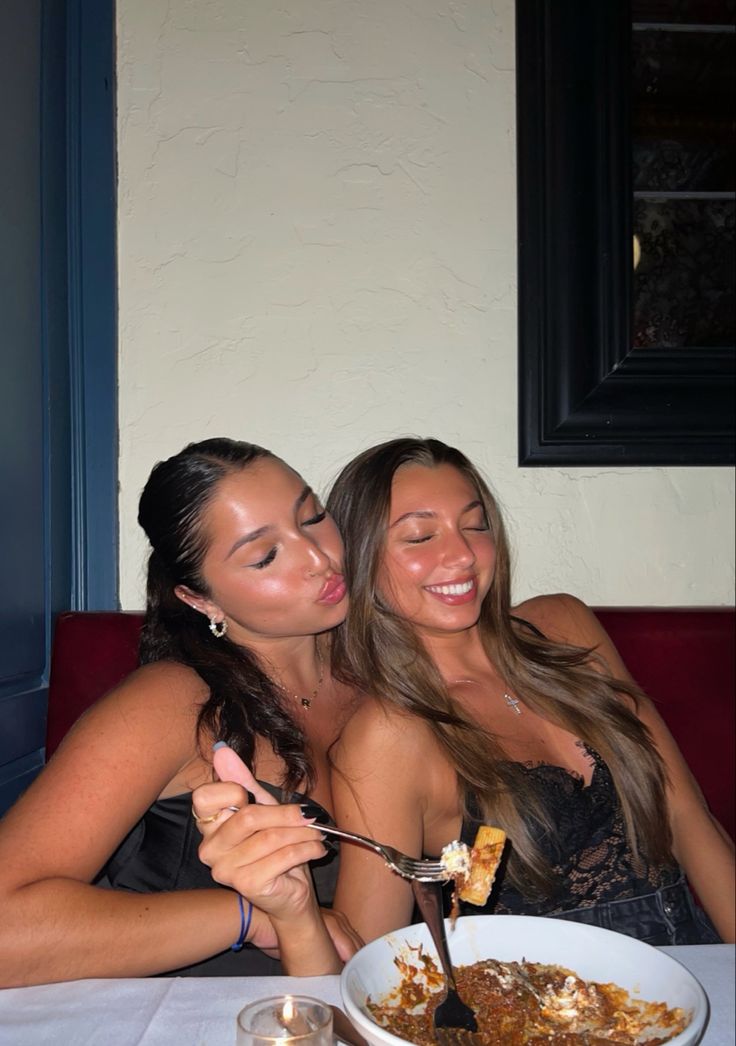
412 515
426 514
253 535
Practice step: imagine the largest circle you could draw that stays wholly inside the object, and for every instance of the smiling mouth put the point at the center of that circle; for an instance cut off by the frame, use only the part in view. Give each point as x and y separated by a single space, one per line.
456 588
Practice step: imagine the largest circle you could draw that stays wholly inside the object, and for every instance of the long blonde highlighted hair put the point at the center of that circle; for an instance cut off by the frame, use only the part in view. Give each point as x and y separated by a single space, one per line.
377 651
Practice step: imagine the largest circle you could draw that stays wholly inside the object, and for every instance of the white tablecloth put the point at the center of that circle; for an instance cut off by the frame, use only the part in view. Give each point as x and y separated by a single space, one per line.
162 1011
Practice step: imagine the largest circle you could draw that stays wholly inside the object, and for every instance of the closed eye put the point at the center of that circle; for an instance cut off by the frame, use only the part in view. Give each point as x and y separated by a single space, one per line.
419 541
315 519
268 558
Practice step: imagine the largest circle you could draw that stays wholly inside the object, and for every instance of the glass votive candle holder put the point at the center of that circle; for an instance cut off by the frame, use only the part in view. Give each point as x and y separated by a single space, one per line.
294 1019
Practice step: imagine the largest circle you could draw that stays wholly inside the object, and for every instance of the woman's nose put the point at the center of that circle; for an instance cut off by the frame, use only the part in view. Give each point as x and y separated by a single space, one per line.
317 559
457 551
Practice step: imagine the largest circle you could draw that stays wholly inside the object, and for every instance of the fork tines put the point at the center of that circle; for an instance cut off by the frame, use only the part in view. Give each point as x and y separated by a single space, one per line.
426 871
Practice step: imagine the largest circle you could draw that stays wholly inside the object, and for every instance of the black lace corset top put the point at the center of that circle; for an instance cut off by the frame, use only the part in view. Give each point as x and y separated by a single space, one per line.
588 850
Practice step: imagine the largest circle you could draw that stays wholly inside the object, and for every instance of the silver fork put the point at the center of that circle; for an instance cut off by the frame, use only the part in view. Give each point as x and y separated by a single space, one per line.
409 867
454 1021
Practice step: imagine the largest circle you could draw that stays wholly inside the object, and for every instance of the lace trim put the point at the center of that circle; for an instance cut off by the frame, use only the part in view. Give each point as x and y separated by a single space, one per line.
531 764
589 852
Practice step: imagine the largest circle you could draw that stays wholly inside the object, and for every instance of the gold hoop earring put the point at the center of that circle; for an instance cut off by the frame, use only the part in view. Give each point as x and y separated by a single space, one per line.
218 628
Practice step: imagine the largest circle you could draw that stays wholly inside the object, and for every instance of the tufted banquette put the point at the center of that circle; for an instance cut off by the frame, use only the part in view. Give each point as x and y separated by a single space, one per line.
683 658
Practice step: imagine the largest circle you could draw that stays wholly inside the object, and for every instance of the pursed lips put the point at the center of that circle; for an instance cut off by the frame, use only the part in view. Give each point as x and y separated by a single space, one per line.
333 590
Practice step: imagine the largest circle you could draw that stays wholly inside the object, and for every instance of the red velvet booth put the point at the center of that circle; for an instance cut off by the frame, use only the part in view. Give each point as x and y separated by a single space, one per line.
684 659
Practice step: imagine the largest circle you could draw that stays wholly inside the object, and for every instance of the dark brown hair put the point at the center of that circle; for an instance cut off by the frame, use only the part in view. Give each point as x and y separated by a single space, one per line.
376 650
243 701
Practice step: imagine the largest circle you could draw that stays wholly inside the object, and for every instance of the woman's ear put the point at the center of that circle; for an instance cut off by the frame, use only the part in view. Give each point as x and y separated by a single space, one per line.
195 601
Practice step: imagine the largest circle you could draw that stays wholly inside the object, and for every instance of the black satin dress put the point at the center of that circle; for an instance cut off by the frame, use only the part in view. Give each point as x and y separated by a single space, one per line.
599 881
160 854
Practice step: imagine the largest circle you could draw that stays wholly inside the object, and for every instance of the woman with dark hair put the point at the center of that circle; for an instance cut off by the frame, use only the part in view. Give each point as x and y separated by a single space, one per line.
524 718
99 871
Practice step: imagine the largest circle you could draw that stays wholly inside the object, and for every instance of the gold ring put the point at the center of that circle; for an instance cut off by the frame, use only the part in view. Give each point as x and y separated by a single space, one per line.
213 817
206 820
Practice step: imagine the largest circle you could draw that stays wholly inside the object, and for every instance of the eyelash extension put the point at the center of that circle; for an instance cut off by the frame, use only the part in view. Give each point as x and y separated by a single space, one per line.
315 519
268 558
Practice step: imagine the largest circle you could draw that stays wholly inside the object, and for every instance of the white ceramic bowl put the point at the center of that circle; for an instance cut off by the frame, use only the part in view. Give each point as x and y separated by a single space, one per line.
594 954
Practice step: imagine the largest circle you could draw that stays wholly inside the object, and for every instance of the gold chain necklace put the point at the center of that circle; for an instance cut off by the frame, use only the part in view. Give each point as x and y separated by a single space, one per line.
306 702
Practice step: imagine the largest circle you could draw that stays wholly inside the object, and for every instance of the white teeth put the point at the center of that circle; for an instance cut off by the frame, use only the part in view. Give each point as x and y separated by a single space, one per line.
451 590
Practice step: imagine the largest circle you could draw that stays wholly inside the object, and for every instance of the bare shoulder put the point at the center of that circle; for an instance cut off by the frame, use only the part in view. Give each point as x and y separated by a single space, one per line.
165 692
378 733
375 722
566 619
563 618
387 772
117 759
168 684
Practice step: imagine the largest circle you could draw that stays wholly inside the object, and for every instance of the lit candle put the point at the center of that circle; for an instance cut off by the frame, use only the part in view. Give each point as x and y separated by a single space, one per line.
294 1019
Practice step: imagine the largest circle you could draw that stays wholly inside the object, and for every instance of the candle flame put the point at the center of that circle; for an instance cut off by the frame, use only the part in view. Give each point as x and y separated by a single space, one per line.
288 1011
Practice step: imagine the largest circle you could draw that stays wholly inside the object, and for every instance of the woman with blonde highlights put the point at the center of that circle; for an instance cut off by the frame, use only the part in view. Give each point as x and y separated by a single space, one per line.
524 717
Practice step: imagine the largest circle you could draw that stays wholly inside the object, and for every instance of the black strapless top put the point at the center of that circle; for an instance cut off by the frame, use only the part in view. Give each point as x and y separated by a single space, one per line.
598 881
588 851
160 854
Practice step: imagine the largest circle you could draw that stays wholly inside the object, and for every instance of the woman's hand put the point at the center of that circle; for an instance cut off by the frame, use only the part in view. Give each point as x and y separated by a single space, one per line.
346 941
258 850
262 850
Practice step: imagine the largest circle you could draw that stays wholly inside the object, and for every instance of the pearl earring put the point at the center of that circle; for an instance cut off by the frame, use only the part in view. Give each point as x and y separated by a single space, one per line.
218 628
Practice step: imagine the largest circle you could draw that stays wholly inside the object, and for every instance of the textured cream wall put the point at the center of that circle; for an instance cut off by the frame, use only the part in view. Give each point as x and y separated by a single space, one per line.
317 251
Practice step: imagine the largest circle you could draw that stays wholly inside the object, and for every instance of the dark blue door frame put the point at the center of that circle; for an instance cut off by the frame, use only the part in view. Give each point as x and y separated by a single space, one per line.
91 223
79 281
60 345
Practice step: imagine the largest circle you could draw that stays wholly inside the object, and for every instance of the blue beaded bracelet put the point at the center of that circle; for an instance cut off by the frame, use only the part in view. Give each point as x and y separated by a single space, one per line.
244 924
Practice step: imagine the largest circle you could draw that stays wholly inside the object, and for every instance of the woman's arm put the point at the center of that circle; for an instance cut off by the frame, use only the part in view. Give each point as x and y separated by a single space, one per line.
700 844
383 769
111 766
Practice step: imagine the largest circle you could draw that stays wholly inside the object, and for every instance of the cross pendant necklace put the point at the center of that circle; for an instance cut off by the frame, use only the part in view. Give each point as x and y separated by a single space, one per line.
512 702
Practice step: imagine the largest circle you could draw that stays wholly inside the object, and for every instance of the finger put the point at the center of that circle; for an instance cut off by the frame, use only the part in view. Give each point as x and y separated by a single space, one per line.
230 767
272 882
215 803
346 945
253 831
345 939
210 798
256 831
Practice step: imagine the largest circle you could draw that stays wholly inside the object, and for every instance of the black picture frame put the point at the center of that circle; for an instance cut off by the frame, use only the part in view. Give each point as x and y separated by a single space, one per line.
585 398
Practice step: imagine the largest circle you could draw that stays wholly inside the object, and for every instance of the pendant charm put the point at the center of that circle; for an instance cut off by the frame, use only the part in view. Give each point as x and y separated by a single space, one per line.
513 703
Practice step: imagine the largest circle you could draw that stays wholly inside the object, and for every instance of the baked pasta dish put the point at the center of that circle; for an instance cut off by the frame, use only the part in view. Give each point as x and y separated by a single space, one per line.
525 1004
